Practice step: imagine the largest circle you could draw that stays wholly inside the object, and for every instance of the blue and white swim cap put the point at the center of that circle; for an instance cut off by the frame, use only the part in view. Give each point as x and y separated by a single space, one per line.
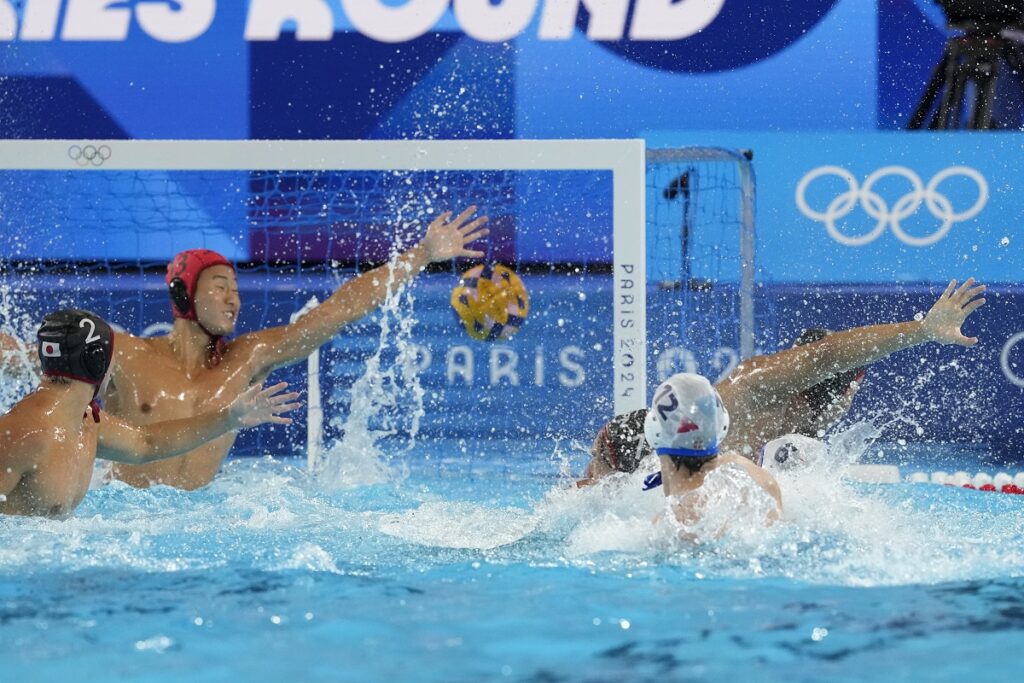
687 418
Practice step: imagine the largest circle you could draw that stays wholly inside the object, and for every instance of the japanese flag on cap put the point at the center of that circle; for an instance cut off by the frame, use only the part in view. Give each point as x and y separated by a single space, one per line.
687 418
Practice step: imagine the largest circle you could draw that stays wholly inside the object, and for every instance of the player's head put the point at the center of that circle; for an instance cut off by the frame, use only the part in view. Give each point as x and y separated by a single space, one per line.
203 288
687 421
76 345
824 395
621 443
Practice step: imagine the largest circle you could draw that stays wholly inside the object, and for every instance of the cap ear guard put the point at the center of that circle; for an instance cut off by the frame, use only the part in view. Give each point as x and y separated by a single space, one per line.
179 296
96 360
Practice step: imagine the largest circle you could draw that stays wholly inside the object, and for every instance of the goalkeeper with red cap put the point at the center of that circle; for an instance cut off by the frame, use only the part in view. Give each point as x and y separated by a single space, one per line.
194 368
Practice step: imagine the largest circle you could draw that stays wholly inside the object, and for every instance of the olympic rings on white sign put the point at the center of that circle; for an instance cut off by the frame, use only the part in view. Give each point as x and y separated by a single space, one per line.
90 154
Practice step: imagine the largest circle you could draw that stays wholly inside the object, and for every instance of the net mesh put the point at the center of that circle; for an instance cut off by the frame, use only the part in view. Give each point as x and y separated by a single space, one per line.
100 240
696 224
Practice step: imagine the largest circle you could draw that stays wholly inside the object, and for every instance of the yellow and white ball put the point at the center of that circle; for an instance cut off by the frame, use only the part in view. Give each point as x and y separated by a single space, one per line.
491 302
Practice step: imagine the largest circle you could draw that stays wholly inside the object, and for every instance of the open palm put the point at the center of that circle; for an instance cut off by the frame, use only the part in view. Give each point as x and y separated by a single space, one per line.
943 321
257 405
447 237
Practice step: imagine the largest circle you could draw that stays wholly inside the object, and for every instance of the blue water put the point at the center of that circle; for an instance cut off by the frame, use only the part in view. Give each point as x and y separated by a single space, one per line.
473 567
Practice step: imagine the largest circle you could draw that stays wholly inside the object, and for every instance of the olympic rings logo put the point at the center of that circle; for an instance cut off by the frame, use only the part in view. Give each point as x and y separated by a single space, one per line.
876 207
1004 360
90 154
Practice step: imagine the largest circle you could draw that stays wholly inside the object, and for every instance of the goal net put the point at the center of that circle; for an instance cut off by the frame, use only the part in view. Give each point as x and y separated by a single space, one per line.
700 260
616 297
92 224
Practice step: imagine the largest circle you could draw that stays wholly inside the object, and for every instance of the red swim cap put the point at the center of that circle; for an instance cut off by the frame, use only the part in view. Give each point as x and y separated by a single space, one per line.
183 274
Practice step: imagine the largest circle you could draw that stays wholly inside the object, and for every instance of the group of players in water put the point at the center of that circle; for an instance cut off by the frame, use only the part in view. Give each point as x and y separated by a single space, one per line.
173 404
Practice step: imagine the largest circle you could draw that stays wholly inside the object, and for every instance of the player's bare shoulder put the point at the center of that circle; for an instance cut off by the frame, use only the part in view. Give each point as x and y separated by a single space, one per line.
250 353
129 349
27 428
245 350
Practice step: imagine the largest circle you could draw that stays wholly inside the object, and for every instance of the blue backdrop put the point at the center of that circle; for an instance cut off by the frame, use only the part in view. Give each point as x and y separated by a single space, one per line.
789 65
858 221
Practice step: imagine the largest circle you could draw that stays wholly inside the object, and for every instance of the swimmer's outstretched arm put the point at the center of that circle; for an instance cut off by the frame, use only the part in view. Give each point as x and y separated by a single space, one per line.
121 441
772 379
446 238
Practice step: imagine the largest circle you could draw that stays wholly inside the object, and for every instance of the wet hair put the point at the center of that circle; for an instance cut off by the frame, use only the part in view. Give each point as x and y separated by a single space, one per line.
624 442
694 465
823 394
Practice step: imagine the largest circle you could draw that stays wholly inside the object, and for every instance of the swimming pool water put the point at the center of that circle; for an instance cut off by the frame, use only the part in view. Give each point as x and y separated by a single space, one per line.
507 573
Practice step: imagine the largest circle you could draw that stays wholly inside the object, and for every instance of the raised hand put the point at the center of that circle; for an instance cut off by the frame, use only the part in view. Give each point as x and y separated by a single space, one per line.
257 405
942 324
446 239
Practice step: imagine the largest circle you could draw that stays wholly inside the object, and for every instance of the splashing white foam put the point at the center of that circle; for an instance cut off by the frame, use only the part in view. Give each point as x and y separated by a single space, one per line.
386 400
17 367
459 525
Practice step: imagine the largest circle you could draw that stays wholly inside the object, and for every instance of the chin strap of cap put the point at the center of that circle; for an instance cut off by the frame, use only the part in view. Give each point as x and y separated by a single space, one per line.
218 348
652 481
94 408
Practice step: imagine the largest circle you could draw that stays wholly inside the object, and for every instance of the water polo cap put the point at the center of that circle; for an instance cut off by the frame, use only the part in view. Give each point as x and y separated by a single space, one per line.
687 418
76 344
183 274
791 452
622 441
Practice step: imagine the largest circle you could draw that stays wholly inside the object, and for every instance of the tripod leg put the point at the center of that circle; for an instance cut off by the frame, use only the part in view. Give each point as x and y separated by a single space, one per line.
1015 60
931 91
987 75
952 95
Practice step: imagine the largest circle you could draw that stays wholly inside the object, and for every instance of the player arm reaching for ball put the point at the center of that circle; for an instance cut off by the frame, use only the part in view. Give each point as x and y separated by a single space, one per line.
772 379
123 442
446 238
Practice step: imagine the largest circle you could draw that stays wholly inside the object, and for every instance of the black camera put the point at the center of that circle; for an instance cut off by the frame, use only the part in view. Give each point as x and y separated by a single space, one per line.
1003 12
984 46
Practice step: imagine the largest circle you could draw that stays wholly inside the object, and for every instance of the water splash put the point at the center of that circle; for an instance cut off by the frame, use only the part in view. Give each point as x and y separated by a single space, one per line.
459 525
386 401
834 531
17 358
270 515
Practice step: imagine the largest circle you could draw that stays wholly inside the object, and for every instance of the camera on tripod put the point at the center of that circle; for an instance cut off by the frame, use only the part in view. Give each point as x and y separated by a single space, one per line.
1001 12
987 42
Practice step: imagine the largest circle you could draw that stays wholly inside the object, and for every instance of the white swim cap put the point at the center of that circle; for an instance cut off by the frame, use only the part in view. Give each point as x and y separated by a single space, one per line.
687 418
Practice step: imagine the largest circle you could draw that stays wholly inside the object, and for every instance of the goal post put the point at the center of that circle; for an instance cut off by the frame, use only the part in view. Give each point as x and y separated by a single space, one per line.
166 210
701 259
675 227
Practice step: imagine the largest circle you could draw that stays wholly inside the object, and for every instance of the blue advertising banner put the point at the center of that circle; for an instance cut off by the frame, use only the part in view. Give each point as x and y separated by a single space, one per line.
363 69
882 207
552 381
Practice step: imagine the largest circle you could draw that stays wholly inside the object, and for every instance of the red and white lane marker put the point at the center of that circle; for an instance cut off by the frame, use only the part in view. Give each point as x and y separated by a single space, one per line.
1001 482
